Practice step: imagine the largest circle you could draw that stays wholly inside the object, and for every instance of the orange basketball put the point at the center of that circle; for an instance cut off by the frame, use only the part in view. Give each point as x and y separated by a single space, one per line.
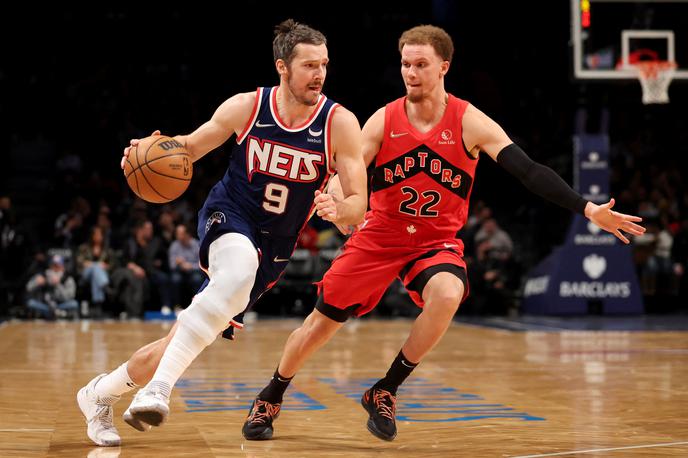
158 169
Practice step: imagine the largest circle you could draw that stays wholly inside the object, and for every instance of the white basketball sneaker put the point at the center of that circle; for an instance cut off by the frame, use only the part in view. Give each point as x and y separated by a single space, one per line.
98 413
150 406
134 423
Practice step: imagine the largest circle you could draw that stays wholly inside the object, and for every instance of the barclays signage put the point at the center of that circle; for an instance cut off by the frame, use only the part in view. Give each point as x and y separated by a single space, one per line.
592 266
594 161
591 167
594 237
573 275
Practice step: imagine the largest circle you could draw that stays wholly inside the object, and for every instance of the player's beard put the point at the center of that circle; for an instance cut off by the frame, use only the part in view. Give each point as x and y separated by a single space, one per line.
303 96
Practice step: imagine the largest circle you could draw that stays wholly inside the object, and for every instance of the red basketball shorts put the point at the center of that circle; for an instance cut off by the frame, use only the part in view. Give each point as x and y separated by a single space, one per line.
367 265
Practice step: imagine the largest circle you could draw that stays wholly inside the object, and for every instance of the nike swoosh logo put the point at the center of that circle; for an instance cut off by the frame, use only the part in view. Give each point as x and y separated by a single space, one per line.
258 124
400 134
278 259
448 245
316 133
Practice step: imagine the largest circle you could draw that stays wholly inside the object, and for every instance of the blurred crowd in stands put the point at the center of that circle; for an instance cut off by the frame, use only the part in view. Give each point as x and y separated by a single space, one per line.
124 257
74 238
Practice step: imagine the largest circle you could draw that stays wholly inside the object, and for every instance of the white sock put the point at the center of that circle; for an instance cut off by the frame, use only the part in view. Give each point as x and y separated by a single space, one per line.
115 383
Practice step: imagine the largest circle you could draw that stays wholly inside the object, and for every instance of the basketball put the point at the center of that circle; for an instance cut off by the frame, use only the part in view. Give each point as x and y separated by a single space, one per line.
158 169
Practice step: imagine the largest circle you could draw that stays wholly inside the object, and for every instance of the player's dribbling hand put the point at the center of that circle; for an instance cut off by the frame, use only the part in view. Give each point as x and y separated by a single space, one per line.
133 142
612 221
325 206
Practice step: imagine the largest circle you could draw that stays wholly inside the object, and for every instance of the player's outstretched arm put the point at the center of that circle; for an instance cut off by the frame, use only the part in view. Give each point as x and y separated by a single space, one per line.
481 131
347 202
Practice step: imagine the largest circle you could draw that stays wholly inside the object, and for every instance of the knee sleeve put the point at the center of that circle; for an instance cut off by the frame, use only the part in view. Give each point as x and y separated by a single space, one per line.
233 262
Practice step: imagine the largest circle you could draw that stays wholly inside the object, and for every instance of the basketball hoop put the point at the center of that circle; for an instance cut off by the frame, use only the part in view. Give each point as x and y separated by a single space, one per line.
655 77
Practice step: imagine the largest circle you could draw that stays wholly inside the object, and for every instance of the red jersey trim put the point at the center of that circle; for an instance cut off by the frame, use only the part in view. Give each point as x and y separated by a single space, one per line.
254 114
311 212
328 138
236 324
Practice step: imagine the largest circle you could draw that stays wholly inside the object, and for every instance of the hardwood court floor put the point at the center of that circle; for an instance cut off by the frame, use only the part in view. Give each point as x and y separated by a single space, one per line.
481 393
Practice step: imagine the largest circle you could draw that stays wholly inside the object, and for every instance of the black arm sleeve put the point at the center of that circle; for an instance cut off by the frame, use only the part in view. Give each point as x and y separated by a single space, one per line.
539 179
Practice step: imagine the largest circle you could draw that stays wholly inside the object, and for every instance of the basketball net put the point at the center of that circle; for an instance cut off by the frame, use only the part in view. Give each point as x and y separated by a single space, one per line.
655 77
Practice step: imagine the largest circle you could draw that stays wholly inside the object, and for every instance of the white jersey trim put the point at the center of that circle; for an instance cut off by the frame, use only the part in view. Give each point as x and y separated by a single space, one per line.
278 121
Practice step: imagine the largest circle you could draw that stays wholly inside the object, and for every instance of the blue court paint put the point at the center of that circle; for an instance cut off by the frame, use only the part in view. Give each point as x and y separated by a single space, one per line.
214 394
421 400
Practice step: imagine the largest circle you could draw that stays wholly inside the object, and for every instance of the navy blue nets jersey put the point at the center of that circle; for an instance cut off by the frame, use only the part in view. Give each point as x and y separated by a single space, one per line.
275 170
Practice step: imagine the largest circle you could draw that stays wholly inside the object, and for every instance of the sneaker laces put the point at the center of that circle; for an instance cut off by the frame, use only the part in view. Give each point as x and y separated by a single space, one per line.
385 403
263 411
104 416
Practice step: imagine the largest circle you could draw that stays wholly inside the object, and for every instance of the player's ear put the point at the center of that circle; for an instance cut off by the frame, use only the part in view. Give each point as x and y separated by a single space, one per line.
444 67
281 67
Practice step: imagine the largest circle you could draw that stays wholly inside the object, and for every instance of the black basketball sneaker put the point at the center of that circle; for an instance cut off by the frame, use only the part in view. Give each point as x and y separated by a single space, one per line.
381 406
258 424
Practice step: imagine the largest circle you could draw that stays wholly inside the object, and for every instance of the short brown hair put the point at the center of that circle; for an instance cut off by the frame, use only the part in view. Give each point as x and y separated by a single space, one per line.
429 35
290 33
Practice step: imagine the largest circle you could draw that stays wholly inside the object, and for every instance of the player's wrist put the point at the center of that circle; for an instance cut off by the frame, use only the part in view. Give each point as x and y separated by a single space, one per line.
341 217
184 140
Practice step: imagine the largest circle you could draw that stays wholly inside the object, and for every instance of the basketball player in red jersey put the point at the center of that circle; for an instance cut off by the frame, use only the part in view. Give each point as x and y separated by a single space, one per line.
425 147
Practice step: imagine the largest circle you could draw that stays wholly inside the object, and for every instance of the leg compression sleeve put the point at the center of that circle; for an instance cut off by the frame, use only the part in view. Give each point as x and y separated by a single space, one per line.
233 262
232 266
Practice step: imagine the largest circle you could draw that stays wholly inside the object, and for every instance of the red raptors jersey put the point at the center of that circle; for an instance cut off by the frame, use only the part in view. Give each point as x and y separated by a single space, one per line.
422 181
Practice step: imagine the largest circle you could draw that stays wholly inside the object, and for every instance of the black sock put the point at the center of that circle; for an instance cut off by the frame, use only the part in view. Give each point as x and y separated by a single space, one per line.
275 390
397 373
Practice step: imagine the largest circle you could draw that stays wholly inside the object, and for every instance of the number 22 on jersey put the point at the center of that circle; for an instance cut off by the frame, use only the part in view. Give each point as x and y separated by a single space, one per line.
411 206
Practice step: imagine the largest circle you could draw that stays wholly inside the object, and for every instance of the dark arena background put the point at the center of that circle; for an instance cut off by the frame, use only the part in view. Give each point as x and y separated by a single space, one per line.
569 344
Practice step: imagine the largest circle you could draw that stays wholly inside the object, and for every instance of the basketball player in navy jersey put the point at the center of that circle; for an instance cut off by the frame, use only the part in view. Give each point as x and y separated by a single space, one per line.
289 139
425 147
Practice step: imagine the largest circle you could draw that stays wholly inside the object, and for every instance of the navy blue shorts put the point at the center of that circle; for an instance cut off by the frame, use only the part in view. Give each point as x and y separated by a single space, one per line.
273 251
